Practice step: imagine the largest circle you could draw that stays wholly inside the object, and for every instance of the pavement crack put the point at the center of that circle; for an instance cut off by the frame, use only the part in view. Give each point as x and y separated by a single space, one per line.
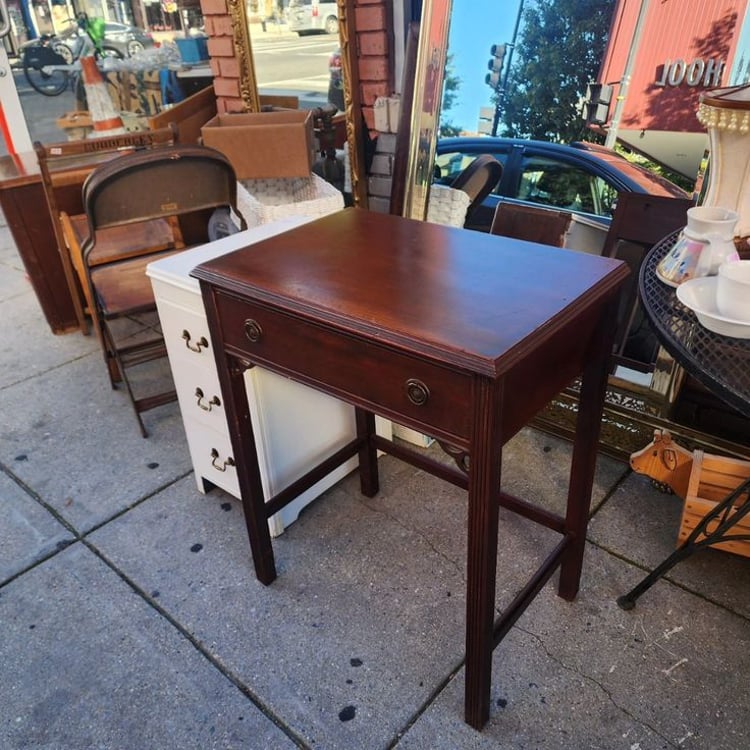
411 529
30 377
588 678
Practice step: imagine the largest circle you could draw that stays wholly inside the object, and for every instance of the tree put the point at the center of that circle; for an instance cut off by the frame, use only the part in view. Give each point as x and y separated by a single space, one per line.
451 85
559 51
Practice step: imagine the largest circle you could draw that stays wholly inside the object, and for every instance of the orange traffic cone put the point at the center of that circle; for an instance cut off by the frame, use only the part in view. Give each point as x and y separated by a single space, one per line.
104 116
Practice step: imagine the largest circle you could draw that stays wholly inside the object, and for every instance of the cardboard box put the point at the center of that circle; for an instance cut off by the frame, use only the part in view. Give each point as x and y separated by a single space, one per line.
137 91
264 144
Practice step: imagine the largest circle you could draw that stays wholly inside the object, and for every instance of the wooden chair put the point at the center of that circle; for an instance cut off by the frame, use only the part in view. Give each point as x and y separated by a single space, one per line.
478 180
639 222
187 182
544 225
64 167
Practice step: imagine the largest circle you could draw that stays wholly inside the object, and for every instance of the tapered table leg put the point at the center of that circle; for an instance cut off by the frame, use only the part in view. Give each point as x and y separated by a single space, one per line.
484 483
583 463
248 473
368 455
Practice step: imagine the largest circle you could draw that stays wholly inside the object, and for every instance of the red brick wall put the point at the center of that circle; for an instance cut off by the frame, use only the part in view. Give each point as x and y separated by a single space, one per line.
373 46
372 21
224 64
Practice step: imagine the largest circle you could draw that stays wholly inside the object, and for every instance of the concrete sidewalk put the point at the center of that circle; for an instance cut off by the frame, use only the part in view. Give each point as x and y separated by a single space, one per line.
131 618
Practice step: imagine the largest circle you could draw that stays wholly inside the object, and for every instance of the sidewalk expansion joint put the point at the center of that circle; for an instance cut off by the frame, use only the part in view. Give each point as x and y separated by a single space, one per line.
201 649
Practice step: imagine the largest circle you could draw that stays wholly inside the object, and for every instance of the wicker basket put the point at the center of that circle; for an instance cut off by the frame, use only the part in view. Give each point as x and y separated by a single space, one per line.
447 206
263 201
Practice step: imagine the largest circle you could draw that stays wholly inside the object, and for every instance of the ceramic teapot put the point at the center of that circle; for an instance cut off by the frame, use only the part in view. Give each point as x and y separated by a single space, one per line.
703 245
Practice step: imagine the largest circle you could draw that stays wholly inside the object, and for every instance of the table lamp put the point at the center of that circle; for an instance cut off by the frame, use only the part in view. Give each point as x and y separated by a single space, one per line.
725 112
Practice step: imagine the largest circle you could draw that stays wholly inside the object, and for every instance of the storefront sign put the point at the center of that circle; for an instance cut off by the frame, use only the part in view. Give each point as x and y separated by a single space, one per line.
695 73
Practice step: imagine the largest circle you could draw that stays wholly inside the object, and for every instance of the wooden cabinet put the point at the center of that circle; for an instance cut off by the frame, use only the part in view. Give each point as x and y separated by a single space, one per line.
25 208
295 425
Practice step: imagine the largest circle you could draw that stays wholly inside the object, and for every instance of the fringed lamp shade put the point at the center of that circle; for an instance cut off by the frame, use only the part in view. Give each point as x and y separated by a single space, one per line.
725 113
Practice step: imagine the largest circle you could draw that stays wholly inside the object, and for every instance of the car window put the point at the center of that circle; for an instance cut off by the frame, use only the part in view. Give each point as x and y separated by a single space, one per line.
605 197
450 164
554 183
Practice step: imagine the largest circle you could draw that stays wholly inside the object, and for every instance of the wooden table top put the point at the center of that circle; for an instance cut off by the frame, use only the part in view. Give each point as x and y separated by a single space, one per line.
464 298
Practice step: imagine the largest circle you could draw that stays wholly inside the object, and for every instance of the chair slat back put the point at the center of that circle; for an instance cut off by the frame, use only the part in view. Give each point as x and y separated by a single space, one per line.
171 181
639 222
544 225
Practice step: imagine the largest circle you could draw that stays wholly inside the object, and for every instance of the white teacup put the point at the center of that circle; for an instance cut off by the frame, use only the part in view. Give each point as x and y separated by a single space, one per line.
733 290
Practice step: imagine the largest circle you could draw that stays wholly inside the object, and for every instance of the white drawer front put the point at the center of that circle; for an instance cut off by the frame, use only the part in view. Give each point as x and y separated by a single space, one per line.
199 394
212 457
186 335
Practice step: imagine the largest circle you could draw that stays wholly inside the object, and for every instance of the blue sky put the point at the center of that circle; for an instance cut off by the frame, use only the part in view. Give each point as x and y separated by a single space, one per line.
475 26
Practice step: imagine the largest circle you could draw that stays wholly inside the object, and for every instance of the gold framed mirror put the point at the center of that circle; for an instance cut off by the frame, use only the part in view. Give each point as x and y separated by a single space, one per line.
425 106
251 99
244 53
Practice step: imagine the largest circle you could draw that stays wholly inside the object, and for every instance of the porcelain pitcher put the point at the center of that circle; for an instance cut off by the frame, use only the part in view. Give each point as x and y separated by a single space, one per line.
703 245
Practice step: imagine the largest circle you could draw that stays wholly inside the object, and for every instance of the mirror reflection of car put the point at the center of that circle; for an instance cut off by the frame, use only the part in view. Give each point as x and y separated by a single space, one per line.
336 80
583 178
312 17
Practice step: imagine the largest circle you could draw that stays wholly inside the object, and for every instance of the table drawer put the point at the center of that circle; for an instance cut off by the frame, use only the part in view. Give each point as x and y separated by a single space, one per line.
387 381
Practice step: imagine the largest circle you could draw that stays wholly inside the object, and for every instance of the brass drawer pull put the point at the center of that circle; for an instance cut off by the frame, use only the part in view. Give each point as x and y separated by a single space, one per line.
214 459
253 331
417 392
208 405
202 343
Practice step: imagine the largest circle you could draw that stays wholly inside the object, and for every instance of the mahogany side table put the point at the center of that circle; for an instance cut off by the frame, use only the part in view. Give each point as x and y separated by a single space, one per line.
460 335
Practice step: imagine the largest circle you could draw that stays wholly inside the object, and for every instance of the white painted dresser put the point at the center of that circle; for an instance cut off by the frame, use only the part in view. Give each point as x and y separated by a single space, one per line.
296 426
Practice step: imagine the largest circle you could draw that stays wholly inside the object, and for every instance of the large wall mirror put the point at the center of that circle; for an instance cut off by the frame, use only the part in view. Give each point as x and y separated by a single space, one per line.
429 67
302 51
645 385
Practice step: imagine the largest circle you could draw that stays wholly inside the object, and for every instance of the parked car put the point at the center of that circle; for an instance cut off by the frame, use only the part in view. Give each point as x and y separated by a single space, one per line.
336 80
128 40
581 177
312 17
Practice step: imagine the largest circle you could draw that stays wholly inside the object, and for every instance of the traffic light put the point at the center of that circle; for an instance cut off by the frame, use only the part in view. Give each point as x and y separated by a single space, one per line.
495 66
596 104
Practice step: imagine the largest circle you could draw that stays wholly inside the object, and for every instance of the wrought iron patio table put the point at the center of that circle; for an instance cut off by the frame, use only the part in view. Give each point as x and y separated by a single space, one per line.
722 364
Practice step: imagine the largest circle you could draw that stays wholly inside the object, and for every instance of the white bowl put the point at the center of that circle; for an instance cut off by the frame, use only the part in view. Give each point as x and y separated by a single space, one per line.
700 296
733 290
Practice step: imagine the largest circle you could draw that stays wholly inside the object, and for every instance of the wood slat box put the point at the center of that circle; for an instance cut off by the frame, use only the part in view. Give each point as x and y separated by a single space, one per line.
712 478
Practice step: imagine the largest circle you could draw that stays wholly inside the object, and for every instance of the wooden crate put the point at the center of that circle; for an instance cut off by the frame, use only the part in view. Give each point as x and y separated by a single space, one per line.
712 478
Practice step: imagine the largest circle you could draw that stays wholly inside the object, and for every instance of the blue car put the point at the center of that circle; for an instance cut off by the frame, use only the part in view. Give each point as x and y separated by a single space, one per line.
583 177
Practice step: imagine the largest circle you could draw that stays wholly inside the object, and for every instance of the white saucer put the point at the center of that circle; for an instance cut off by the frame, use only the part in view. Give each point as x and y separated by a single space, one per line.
700 296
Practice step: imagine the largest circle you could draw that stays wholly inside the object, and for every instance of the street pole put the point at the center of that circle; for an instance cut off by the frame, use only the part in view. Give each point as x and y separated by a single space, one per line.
500 96
614 125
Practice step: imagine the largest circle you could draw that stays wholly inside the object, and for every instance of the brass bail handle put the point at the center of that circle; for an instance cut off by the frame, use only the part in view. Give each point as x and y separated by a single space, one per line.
199 345
215 461
208 405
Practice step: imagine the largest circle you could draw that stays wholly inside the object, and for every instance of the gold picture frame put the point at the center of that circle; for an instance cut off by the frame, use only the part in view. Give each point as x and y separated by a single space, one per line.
425 106
248 84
